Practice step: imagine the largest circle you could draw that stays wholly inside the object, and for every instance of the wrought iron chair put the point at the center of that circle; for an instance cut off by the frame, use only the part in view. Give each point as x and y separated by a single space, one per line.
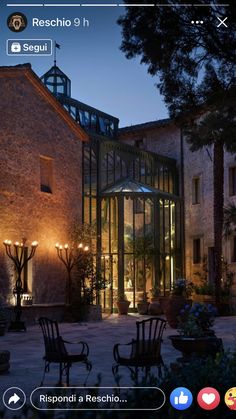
56 351
145 350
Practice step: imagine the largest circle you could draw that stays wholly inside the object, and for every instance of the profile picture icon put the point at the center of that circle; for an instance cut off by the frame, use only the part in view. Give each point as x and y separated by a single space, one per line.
17 22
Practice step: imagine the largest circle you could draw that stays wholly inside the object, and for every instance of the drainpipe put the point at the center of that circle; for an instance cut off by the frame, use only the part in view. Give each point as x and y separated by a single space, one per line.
182 192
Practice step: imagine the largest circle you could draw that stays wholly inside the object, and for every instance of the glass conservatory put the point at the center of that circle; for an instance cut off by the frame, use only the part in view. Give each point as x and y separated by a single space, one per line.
130 198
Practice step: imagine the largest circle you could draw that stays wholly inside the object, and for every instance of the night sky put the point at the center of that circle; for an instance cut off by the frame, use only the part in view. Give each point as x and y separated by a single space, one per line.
101 76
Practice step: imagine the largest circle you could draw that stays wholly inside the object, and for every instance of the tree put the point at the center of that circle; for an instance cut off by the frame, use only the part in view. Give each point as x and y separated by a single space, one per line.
195 65
177 50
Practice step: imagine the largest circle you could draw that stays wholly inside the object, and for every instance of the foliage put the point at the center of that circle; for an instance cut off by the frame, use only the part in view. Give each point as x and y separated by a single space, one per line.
155 291
121 296
182 287
229 219
218 373
204 289
83 233
87 280
91 287
197 320
177 51
143 298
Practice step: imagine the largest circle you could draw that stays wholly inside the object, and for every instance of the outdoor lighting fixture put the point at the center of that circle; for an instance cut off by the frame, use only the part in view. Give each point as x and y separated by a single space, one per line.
16 252
70 256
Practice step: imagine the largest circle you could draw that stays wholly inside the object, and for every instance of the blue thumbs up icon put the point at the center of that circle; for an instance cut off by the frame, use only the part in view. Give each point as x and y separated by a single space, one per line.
181 398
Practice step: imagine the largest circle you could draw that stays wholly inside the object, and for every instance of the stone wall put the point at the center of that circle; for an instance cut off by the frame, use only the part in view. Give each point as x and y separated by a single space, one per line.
30 128
166 140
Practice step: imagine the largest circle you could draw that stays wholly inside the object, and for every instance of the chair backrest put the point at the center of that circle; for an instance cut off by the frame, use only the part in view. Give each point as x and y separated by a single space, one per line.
55 349
149 337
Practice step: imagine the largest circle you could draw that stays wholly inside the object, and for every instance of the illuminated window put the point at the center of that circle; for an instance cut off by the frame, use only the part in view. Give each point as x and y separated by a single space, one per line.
46 176
196 251
196 190
232 181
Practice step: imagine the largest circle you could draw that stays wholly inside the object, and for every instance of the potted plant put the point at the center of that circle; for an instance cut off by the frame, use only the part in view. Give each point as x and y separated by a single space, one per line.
195 333
180 296
143 304
155 306
204 293
3 321
122 303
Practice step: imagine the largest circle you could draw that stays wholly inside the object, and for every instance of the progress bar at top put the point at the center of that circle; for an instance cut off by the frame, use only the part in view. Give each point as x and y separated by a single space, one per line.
113 5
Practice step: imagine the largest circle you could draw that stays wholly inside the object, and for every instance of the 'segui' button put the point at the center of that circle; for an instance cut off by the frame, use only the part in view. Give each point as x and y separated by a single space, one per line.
29 47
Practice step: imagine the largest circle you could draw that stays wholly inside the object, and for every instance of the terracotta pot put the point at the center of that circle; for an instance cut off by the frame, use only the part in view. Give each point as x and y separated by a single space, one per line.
142 307
200 346
155 308
163 302
173 308
123 307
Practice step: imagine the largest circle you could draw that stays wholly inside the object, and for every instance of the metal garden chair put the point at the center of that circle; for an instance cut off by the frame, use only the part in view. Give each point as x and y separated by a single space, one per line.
56 351
145 350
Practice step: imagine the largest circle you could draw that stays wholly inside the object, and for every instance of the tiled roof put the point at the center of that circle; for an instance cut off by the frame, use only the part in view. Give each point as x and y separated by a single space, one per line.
147 125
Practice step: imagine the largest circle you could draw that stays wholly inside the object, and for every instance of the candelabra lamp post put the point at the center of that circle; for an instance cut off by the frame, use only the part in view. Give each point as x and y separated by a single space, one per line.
70 256
16 252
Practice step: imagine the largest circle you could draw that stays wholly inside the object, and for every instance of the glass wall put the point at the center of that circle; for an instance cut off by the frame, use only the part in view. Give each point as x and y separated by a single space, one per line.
109 250
139 247
138 243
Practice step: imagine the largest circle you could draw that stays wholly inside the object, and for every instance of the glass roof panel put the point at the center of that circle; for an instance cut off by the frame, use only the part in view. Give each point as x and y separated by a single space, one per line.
130 185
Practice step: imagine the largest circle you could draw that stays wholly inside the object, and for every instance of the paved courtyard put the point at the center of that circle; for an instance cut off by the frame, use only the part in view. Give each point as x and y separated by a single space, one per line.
27 350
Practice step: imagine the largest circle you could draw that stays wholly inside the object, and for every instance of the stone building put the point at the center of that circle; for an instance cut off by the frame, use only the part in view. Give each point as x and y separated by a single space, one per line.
139 186
40 197
196 185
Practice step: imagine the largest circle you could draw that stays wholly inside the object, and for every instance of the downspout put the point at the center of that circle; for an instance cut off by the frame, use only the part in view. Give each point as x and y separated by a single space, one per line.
182 192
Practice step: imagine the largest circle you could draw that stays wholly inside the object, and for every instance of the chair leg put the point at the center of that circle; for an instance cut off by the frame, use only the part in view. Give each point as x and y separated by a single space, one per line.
60 374
89 368
46 369
115 369
68 374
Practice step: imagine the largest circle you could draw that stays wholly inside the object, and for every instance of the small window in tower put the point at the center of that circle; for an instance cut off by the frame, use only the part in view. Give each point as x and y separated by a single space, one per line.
232 181
46 174
196 251
196 190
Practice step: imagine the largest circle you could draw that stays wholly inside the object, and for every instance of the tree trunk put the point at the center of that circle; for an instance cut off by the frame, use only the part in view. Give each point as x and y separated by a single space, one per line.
218 176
